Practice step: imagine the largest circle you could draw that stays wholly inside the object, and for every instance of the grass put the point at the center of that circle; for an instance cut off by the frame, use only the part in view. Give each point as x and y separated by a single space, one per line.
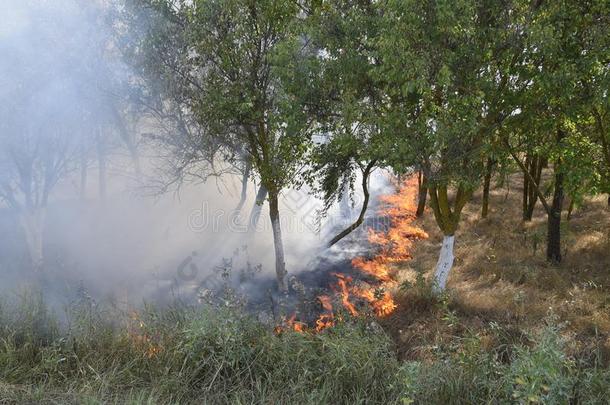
188 355
208 355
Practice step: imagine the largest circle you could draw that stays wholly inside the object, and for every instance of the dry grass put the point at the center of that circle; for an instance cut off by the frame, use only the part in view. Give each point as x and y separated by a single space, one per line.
500 277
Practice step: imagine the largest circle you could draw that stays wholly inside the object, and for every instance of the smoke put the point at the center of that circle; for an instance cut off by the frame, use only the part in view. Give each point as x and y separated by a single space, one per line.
71 148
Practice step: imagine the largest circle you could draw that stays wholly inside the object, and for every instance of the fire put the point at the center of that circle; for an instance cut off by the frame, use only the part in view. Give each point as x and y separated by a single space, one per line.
326 302
294 324
397 243
140 337
381 301
342 282
395 246
326 320
377 268
290 324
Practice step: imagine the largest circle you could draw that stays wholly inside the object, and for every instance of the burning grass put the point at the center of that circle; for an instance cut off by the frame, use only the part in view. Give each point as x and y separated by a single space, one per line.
512 329
393 246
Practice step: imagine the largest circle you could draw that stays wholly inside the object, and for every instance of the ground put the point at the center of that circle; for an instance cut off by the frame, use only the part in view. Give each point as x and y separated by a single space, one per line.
501 278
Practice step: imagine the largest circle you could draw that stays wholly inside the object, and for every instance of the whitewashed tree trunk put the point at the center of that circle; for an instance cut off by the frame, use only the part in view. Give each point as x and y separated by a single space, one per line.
280 262
444 264
32 222
255 214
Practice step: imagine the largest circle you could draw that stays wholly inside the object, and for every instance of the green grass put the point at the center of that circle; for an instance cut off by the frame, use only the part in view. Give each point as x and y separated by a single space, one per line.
206 355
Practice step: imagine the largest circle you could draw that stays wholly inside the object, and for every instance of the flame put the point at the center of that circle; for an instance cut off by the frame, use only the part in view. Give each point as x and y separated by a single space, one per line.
324 321
327 319
342 282
294 324
326 303
395 245
290 324
382 301
140 337
377 268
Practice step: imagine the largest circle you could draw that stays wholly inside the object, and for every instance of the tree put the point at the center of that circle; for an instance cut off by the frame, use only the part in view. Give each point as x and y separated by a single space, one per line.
233 63
36 148
558 44
57 73
445 67
346 102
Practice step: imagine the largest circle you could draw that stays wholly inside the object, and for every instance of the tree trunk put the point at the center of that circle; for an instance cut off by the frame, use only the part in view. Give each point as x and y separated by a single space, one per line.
127 137
255 214
447 220
608 201
365 189
486 187
531 182
570 209
526 186
32 223
280 263
553 252
244 186
101 158
534 165
422 194
444 264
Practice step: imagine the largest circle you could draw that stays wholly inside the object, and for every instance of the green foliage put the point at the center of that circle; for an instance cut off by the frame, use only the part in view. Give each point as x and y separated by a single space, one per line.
563 65
438 71
231 70
349 104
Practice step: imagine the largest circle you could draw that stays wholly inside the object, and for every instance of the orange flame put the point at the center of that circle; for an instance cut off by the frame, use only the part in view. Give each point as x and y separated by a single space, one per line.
395 246
377 267
294 324
342 281
381 301
326 320
291 324
139 336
